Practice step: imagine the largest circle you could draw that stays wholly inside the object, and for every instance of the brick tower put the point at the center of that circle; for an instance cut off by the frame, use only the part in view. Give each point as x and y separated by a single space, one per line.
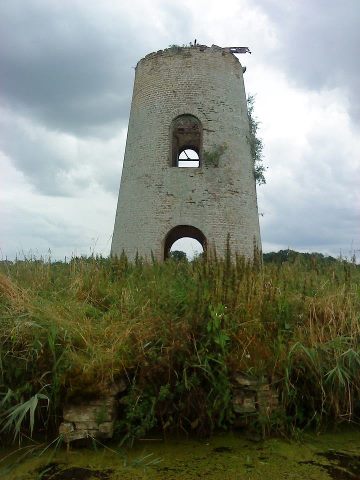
187 169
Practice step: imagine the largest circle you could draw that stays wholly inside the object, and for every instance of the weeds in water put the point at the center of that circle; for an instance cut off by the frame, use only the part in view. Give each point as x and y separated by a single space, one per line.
23 453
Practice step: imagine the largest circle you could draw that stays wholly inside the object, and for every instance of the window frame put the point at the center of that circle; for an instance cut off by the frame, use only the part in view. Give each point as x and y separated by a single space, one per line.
187 140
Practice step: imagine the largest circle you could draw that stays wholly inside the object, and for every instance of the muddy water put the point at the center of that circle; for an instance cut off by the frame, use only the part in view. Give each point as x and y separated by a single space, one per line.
228 456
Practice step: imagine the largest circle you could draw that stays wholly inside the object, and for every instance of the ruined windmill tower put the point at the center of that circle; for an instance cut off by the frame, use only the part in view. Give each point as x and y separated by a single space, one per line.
188 170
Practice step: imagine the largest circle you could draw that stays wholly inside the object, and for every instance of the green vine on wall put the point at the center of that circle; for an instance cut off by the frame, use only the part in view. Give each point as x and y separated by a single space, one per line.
212 157
256 144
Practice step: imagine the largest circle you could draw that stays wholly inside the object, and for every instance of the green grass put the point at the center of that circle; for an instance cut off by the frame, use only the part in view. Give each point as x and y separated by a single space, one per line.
177 331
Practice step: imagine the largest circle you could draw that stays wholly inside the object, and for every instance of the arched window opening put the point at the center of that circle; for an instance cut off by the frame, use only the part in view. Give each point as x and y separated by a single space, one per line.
186 248
186 137
188 158
187 239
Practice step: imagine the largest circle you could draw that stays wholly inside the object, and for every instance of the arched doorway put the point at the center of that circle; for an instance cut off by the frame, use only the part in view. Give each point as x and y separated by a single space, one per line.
183 231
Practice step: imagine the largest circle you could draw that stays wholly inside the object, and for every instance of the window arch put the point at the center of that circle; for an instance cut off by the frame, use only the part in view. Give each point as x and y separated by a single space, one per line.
186 140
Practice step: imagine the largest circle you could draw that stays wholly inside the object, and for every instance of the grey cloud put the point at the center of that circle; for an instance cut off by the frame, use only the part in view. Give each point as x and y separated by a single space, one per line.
61 66
304 225
27 234
319 44
71 65
42 164
315 208
72 70
110 180
58 164
179 23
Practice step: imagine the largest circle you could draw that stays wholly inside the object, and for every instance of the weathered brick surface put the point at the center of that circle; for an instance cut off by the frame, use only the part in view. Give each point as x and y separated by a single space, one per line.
154 196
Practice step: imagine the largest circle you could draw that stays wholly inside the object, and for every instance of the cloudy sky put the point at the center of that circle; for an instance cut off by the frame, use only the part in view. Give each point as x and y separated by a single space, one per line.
66 74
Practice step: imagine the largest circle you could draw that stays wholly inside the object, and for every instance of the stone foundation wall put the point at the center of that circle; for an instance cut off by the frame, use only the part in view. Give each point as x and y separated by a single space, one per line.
253 396
95 418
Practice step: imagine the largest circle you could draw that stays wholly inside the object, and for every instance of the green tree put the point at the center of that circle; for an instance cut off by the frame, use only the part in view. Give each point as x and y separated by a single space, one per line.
178 255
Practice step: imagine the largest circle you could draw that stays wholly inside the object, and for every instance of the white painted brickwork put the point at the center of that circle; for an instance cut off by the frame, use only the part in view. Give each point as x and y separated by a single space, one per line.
154 196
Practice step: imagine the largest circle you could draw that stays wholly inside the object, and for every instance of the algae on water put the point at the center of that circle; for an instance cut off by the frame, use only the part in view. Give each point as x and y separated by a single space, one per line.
226 456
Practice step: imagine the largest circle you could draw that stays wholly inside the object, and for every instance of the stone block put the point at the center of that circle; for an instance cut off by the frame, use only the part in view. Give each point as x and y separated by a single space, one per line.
81 434
86 425
66 428
244 404
252 395
246 381
263 387
75 435
267 401
94 419
106 429
99 412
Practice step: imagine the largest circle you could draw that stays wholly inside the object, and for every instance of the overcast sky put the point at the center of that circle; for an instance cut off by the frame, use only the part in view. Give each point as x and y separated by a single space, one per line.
66 75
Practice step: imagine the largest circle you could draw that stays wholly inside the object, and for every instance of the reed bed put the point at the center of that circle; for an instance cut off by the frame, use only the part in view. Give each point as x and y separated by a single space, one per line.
177 332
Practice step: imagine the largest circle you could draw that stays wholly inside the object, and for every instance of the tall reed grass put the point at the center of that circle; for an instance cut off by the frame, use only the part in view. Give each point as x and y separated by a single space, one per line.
177 332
